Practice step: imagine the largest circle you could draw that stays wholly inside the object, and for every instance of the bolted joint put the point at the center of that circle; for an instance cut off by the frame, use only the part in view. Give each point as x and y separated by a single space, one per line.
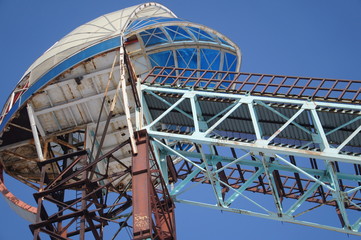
141 136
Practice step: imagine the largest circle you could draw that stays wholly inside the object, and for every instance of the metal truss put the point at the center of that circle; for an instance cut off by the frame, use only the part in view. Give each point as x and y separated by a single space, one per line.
84 185
78 198
82 200
302 155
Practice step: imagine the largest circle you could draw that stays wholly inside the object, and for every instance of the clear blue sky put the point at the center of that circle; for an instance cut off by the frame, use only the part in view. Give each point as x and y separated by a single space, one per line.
308 38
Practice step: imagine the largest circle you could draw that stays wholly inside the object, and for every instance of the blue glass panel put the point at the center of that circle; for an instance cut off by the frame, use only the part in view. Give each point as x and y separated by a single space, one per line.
164 59
153 36
177 33
187 58
143 22
139 23
201 35
230 62
210 59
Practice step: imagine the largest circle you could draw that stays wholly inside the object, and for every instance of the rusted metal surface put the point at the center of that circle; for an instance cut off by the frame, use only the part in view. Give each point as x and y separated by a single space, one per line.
85 214
18 92
68 104
320 89
142 211
162 204
70 100
25 210
151 199
132 77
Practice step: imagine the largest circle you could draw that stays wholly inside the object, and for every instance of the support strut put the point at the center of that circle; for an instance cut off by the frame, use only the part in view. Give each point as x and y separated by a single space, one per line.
71 203
153 208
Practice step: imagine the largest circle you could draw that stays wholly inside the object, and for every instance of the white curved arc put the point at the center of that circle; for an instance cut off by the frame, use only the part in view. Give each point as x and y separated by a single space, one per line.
140 8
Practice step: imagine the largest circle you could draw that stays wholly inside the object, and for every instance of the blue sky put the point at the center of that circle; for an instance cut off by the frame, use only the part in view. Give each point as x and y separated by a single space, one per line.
307 38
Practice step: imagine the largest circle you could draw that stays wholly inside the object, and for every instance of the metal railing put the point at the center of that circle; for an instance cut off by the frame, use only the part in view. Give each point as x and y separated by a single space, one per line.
321 89
15 96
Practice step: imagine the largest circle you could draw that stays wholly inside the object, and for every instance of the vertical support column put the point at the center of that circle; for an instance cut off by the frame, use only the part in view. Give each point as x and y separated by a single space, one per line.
141 185
165 222
122 65
153 208
83 206
41 211
35 133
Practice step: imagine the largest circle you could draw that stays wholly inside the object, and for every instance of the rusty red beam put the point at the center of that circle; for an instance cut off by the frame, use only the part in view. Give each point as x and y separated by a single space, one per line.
141 185
322 89
153 208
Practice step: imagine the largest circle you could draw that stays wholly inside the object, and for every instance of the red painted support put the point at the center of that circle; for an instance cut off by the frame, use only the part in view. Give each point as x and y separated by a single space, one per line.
153 208
141 185
27 211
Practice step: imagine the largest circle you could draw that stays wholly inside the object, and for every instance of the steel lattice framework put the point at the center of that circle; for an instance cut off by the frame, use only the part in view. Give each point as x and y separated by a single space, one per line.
300 149
116 122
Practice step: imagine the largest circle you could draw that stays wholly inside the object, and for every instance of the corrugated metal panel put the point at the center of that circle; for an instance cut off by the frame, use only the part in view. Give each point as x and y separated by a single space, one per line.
240 121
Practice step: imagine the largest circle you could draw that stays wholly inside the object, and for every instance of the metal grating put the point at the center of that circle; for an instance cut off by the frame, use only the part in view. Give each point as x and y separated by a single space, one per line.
320 89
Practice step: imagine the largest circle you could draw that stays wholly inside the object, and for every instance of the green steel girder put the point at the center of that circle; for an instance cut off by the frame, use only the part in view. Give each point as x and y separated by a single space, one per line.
300 178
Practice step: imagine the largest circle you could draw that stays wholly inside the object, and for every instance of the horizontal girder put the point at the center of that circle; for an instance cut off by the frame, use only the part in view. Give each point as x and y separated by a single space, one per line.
302 155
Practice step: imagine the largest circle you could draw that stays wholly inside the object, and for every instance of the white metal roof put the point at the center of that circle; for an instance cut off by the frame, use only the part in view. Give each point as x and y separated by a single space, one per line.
97 30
